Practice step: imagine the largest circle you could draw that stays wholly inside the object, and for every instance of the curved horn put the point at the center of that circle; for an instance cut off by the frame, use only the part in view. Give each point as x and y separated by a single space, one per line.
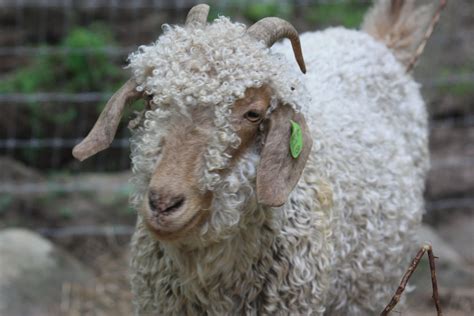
272 29
103 132
197 15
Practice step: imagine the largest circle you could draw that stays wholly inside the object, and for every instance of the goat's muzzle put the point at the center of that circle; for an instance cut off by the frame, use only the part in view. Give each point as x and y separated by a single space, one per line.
164 203
170 215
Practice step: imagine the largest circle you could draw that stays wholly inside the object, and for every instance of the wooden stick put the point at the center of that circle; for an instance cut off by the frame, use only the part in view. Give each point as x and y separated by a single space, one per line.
401 288
434 281
428 33
396 297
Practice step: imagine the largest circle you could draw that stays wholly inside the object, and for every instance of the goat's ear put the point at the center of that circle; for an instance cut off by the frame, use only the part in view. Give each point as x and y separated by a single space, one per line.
278 171
103 132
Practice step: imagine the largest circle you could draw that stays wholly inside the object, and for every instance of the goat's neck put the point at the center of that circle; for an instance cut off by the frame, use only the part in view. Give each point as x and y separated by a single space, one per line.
223 262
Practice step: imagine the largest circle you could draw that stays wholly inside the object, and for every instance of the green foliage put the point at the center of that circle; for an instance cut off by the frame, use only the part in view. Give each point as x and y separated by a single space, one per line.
82 66
30 78
6 201
252 11
79 63
89 72
458 89
66 212
348 14
258 10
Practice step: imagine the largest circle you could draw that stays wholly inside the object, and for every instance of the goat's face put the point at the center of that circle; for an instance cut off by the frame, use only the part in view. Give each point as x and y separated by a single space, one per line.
177 196
176 201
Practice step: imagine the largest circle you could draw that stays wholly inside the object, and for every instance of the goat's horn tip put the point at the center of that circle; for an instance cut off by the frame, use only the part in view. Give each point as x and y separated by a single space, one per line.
86 149
79 153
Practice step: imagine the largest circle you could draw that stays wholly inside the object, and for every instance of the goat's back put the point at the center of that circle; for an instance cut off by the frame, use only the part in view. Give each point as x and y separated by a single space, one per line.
369 128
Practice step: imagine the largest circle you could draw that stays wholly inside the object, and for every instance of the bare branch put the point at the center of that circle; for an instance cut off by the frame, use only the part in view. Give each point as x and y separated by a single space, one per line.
434 281
401 288
427 36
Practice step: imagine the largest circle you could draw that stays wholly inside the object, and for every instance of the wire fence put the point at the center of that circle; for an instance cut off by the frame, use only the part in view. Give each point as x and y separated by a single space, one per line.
127 230
48 103
49 98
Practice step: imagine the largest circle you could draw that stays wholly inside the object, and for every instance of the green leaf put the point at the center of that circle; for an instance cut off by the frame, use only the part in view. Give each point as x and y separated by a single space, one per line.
296 139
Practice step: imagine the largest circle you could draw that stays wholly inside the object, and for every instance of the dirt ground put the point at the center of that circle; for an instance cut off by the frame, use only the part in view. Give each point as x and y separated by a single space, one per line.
110 295
106 252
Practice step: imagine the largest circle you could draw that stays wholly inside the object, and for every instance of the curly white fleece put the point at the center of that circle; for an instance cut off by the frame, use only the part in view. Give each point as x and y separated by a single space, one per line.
211 67
340 243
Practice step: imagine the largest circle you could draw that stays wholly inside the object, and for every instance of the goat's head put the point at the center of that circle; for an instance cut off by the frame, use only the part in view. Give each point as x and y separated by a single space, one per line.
217 105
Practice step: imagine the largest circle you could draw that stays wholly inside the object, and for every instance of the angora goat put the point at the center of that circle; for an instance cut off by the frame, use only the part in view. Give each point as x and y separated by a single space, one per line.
264 191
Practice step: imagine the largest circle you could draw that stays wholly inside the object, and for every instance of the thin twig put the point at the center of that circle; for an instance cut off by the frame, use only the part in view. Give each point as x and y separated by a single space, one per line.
434 281
396 297
427 35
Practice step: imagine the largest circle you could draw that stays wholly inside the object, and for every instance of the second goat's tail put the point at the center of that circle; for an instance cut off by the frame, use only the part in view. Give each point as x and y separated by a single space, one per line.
403 26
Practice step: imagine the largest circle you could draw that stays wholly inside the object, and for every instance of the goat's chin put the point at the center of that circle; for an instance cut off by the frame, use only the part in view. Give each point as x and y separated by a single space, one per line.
176 226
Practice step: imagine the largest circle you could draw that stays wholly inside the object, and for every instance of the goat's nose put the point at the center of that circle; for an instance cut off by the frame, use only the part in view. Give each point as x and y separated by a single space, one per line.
164 203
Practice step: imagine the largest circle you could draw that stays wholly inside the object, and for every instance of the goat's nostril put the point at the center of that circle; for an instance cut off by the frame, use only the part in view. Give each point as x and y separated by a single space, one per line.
153 201
163 204
175 204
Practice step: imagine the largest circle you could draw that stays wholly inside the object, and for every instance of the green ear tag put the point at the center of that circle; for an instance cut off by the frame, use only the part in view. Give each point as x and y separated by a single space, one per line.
296 139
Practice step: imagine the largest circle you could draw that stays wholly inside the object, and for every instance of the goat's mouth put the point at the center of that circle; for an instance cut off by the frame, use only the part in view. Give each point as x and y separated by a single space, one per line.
174 225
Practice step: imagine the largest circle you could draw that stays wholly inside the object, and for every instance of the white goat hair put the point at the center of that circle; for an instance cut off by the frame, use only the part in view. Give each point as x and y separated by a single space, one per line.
340 243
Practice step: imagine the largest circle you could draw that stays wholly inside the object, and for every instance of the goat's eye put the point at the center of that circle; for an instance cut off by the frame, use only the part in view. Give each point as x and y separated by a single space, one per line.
253 116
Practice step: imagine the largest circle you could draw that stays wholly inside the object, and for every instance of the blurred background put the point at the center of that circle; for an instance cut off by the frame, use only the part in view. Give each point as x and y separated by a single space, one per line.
65 225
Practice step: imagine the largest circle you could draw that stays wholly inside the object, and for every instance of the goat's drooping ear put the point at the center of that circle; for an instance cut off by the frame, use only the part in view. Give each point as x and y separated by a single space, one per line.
103 132
278 171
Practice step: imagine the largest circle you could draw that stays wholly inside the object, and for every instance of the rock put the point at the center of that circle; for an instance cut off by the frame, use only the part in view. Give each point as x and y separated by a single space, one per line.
33 272
451 137
15 171
450 182
452 270
455 278
458 231
452 162
446 254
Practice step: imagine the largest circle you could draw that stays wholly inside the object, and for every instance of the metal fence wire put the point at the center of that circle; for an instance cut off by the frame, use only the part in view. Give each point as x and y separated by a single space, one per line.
62 59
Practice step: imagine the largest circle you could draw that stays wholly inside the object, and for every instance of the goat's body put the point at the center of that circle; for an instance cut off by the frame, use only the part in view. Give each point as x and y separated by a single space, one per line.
340 243
370 129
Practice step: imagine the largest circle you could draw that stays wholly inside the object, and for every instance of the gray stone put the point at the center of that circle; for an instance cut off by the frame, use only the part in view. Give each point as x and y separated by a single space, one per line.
445 253
451 268
452 162
455 279
15 171
458 231
33 272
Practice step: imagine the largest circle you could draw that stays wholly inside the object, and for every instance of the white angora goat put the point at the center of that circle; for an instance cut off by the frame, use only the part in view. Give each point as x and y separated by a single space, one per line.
264 191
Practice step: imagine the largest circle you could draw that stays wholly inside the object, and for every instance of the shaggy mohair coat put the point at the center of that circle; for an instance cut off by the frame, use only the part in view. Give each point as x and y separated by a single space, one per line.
341 242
